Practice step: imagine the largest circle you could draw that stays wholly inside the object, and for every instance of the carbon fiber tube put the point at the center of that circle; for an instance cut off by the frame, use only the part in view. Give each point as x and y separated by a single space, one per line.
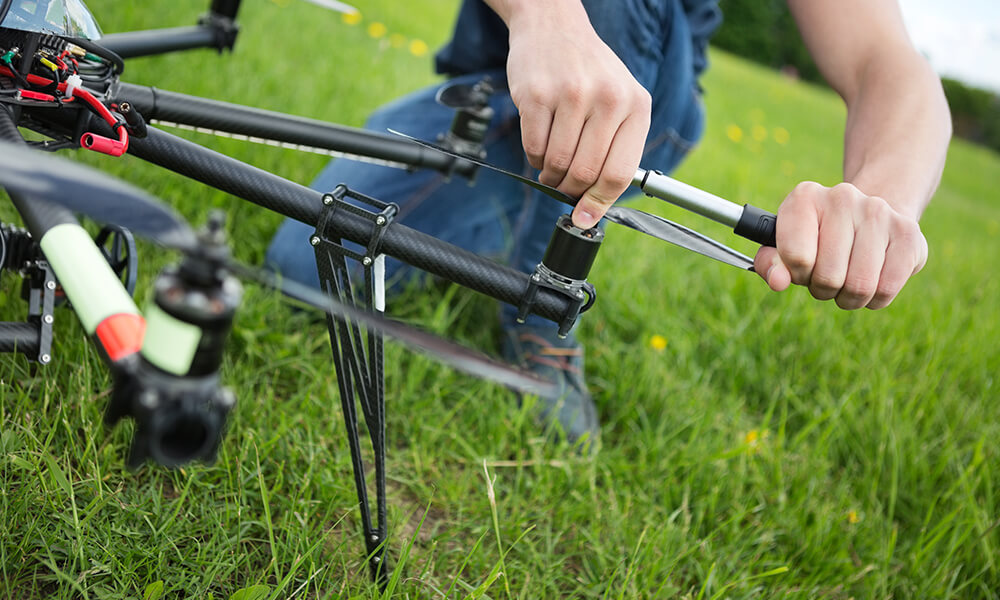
159 41
38 216
233 118
20 337
299 202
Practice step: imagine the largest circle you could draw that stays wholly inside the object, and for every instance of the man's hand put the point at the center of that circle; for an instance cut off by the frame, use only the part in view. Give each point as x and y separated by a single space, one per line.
842 244
584 117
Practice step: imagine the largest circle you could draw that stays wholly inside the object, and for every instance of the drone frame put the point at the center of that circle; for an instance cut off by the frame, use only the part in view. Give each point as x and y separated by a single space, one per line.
107 310
358 358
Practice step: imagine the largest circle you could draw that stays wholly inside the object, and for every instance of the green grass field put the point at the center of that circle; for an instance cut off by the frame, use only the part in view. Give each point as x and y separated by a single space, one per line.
773 446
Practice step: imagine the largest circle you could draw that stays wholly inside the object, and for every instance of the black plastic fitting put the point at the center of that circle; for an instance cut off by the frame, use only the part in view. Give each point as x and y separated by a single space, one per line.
757 225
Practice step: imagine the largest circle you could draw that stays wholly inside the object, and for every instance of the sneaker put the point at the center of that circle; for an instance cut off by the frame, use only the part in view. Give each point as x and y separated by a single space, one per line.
540 351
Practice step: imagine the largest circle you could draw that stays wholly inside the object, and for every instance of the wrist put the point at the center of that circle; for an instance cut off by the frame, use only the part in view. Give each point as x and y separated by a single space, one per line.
532 12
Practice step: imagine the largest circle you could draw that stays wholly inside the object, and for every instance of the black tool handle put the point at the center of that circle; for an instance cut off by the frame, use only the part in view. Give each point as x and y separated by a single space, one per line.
757 225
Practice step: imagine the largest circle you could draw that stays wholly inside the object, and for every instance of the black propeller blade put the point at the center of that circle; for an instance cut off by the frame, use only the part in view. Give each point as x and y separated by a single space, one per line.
652 225
445 351
464 95
101 197
108 200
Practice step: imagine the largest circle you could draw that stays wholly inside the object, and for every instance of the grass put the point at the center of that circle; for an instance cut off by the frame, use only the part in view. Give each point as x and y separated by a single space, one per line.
775 446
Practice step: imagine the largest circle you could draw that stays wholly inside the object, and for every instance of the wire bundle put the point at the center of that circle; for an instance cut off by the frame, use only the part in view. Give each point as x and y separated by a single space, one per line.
58 73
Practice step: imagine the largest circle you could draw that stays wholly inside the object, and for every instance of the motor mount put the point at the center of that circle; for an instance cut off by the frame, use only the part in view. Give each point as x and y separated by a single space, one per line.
568 258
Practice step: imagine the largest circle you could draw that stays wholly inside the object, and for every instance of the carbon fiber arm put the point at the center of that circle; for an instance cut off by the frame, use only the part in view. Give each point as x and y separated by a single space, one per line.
299 202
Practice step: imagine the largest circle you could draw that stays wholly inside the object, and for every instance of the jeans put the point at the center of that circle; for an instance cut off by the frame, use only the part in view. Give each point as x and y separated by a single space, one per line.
494 215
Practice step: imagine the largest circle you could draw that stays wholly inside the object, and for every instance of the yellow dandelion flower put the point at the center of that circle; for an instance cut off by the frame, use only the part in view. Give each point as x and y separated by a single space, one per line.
377 30
351 18
418 47
754 439
781 135
759 133
853 517
756 115
734 133
397 41
658 343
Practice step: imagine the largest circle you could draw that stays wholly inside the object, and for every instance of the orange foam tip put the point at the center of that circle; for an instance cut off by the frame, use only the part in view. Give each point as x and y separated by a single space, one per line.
121 334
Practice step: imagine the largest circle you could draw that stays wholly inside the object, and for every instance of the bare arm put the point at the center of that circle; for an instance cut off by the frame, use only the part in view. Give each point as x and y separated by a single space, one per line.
584 118
859 242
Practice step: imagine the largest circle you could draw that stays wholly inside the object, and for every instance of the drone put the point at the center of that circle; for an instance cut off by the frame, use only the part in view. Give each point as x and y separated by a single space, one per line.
61 79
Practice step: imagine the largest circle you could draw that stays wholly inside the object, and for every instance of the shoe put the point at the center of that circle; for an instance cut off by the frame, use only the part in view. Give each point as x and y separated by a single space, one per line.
540 351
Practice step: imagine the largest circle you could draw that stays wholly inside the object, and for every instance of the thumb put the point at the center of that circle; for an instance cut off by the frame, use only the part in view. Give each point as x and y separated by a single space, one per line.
768 265
590 210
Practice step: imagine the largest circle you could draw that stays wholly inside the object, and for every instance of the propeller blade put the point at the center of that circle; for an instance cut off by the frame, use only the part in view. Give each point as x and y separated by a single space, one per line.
94 194
334 6
454 355
465 95
643 222
108 200
678 235
541 187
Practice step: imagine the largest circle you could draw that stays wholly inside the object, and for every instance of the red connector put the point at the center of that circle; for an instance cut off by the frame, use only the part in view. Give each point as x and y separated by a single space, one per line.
99 143
23 94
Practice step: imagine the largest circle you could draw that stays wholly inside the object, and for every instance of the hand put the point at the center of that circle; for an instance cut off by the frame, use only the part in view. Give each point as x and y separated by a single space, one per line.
584 118
844 245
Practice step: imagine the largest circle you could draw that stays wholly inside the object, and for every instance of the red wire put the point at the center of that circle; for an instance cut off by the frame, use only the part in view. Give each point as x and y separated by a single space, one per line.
86 96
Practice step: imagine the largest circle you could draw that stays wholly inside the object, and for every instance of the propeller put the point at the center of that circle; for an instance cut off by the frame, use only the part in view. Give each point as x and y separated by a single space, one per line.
334 6
651 225
108 200
465 95
99 196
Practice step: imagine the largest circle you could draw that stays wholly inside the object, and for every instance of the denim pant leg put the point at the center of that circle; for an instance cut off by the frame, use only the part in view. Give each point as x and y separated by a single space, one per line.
498 216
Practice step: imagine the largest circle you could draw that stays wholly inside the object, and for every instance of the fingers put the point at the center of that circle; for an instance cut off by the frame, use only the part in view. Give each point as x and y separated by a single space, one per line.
594 145
536 123
842 245
594 148
797 232
871 240
836 238
564 137
615 175
904 257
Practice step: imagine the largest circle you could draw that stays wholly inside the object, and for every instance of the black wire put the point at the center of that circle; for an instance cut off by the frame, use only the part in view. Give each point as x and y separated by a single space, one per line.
99 50
17 75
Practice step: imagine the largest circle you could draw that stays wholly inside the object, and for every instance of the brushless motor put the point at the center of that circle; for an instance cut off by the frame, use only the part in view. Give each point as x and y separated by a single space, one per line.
173 391
570 255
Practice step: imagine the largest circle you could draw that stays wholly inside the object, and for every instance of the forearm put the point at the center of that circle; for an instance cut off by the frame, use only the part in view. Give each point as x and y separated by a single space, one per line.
897 133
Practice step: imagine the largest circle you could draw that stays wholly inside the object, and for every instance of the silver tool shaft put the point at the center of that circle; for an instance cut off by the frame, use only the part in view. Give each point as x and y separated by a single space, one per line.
688 197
